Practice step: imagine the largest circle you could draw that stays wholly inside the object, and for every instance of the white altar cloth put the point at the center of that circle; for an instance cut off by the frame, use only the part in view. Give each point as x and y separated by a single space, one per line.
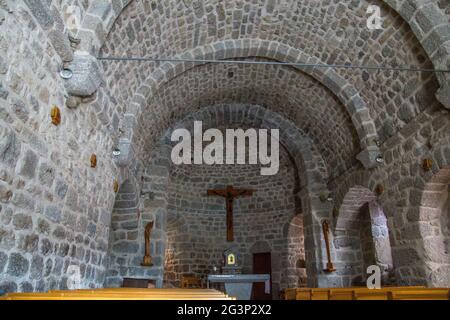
240 285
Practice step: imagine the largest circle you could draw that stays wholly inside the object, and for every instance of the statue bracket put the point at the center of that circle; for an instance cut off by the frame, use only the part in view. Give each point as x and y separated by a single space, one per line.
370 157
85 76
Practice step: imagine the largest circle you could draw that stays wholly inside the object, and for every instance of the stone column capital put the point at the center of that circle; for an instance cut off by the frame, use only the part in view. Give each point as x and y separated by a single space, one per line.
368 157
87 75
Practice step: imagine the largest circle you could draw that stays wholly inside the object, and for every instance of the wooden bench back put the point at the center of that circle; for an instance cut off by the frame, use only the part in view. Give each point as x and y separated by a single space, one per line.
122 294
434 294
362 293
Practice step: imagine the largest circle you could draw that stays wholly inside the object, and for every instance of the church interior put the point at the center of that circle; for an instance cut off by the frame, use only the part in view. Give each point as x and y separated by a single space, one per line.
92 204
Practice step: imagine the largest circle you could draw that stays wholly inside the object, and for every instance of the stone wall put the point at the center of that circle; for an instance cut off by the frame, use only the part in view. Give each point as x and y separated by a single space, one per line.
266 221
412 218
294 267
54 208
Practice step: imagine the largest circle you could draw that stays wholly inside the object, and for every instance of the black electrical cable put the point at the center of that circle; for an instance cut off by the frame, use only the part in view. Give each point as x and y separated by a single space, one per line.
292 64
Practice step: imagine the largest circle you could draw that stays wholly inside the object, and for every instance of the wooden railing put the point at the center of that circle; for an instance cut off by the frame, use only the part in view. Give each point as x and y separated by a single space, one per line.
387 293
122 294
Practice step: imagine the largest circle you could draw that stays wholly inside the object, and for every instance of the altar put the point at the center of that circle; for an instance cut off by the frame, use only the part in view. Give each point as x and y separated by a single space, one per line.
240 285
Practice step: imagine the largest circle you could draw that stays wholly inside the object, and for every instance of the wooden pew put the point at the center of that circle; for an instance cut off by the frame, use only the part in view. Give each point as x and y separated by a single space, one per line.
109 297
119 295
306 294
158 292
290 294
362 293
317 294
142 291
123 294
424 294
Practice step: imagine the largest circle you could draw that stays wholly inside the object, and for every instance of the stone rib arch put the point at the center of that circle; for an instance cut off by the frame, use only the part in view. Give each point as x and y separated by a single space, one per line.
357 178
426 20
97 23
428 23
355 198
431 27
245 48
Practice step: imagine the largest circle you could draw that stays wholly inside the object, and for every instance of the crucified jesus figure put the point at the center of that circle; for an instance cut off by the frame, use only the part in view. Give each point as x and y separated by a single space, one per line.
229 194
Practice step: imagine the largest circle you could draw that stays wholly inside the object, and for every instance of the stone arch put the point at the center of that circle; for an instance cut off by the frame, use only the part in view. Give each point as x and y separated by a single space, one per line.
431 28
97 22
434 228
354 199
257 117
312 175
359 177
361 237
245 48
418 220
426 20
421 17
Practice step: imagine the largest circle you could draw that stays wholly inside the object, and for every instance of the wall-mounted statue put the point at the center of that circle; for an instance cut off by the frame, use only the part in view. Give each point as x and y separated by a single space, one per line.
147 258
56 116
93 161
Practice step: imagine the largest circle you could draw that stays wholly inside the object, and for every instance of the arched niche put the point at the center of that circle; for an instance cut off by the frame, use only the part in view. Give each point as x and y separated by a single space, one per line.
361 238
434 223
133 209
123 236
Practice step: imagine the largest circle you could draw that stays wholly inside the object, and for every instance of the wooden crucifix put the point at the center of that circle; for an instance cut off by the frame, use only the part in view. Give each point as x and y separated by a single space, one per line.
229 194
